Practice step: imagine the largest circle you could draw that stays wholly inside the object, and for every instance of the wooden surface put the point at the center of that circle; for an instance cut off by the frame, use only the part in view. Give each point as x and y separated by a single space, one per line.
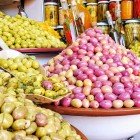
80 133
39 50
93 112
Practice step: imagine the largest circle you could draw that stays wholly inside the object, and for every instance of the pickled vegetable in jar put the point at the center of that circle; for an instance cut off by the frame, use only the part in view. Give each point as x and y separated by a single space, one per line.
104 26
102 8
136 8
132 31
92 8
51 13
113 6
127 9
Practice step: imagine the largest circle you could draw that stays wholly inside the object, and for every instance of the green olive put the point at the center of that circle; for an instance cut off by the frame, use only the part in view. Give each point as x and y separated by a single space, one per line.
41 131
50 128
31 129
45 138
19 112
21 133
70 138
55 136
31 137
20 124
7 107
6 120
5 135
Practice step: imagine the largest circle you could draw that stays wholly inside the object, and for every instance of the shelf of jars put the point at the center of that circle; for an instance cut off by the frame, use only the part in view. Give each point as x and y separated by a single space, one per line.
125 11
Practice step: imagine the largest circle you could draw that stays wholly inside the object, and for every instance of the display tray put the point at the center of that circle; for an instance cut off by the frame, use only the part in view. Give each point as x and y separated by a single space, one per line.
83 137
93 112
39 50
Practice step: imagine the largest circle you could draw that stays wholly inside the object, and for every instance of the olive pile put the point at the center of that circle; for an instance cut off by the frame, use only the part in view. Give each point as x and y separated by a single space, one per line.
21 32
20 119
29 80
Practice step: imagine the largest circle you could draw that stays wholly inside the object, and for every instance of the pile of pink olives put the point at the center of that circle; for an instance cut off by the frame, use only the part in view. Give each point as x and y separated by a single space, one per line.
99 72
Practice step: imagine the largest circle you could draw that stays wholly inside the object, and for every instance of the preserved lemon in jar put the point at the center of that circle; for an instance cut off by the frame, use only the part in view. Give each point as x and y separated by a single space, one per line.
51 13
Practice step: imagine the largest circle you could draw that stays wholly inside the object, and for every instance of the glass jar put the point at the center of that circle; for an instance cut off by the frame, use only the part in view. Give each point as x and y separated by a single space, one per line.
127 9
104 26
113 5
92 8
84 3
51 13
91 1
61 16
61 33
102 8
136 8
132 30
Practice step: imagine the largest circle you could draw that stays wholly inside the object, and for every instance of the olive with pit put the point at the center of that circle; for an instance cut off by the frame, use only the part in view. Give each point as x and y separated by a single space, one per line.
5 135
41 131
45 138
31 129
31 137
21 124
7 108
6 120
19 112
55 136
20 133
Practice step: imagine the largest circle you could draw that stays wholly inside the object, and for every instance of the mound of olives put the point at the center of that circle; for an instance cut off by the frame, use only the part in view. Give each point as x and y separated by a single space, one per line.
21 32
22 120
29 80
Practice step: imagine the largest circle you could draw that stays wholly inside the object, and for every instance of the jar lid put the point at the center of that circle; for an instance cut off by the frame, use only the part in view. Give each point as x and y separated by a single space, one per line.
51 3
132 21
114 0
59 27
56 1
102 24
102 2
92 3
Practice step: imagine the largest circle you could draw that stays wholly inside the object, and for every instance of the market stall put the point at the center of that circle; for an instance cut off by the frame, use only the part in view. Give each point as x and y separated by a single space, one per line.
86 67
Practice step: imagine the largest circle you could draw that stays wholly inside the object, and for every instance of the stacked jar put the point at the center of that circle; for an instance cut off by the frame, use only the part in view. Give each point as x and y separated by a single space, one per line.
92 8
101 10
114 5
132 29
51 12
136 9
127 9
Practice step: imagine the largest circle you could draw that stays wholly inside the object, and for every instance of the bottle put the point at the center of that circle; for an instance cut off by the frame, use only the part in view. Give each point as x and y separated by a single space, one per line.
77 19
113 33
84 14
118 25
69 28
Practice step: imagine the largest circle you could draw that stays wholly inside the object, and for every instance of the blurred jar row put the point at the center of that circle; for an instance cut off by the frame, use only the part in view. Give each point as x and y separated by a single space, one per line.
97 9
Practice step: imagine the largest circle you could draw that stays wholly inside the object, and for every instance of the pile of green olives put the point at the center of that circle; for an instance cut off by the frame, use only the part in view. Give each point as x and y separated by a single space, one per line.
21 119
